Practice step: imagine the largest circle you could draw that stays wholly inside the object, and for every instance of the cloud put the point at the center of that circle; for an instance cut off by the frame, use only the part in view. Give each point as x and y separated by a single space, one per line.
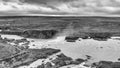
61 7
24 7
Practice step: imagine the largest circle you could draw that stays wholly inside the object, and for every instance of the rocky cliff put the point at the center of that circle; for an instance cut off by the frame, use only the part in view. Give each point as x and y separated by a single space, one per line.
41 34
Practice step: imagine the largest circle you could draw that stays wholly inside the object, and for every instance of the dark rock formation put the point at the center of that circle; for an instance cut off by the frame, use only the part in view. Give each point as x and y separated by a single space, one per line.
85 37
100 36
63 60
43 34
78 61
116 65
60 61
43 53
107 64
71 38
10 32
41 66
4 28
48 65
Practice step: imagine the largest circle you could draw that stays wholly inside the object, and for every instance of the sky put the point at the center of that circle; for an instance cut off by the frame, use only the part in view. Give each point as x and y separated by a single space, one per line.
60 7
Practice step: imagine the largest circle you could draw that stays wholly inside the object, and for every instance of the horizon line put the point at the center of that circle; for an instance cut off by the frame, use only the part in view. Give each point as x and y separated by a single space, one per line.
62 15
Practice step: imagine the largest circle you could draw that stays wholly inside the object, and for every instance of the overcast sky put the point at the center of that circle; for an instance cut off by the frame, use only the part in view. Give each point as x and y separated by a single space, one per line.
60 7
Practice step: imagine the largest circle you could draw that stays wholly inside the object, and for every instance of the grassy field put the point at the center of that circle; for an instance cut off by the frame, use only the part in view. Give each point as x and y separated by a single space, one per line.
70 24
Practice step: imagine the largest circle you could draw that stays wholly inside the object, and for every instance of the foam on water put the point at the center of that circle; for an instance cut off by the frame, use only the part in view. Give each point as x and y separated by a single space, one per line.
99 50
58 39
11 36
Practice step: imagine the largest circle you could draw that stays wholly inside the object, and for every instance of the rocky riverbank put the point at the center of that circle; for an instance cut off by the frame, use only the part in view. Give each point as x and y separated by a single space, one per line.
22 56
